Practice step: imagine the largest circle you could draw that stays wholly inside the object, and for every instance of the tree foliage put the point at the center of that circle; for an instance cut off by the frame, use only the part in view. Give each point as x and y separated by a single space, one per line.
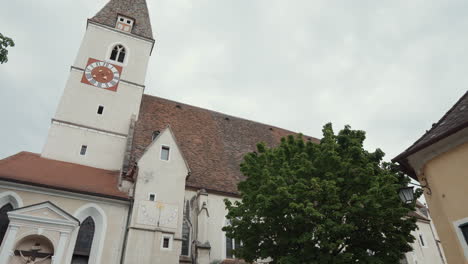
5 42
332 202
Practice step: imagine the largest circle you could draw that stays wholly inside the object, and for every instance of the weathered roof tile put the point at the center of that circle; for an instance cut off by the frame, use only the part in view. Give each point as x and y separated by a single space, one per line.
136 9
31 168
213 143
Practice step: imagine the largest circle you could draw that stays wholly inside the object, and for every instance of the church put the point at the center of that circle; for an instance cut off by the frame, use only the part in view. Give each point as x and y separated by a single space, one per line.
125 177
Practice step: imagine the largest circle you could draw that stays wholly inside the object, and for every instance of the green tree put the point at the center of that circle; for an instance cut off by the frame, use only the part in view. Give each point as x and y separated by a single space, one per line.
333 202
5 42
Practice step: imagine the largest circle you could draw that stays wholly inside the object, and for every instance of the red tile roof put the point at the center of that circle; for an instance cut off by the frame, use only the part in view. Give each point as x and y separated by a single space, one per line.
212 143
136 9
31 168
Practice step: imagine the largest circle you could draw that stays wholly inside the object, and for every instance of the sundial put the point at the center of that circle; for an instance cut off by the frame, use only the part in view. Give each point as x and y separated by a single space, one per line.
157 214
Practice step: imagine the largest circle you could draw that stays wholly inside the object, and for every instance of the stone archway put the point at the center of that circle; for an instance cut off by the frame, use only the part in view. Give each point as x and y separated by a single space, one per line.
33 249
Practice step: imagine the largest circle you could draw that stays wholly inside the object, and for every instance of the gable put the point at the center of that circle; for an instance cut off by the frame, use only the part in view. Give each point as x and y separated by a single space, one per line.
43 212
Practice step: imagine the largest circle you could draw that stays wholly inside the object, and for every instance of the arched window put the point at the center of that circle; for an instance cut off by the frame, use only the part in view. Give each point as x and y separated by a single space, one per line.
118 53
185 238
231 244
4 221
186 231
84 241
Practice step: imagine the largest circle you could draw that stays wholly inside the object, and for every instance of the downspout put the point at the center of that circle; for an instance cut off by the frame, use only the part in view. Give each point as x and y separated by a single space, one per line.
127 228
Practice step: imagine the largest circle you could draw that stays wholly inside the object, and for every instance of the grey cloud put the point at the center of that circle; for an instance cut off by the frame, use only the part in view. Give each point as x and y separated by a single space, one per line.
390 68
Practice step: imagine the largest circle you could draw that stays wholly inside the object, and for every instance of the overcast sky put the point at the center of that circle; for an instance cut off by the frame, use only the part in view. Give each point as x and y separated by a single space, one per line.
391 68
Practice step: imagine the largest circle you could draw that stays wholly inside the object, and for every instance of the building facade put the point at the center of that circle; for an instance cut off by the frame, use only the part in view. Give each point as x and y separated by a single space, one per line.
439 161
125 177
426 247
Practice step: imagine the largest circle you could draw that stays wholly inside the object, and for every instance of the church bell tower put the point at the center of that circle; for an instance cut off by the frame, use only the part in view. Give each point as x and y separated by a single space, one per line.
103 92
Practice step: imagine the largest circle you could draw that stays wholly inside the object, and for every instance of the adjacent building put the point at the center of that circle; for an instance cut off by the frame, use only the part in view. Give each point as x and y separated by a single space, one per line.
426 247
439 161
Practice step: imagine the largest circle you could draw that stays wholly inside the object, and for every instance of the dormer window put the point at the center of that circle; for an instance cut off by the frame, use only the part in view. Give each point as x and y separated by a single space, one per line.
124 23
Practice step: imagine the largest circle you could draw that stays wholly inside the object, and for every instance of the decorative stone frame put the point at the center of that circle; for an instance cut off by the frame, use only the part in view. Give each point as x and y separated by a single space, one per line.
461 238
109 52
11 198
171 241
38 225
100 220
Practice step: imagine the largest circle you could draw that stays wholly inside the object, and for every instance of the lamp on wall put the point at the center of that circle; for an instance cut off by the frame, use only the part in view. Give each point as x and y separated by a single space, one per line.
406 194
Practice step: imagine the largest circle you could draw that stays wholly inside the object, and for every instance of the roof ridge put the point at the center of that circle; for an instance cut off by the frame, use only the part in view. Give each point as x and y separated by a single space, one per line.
228 115
14 156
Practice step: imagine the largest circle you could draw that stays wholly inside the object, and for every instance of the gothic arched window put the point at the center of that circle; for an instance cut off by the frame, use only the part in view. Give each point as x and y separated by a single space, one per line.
231 244
186 231
185 238
118 53
4 221
84 241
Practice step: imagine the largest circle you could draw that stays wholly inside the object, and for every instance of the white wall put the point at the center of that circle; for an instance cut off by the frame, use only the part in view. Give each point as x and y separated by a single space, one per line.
79 104
103 151
97 43
216 221
167 180
116 212
427 254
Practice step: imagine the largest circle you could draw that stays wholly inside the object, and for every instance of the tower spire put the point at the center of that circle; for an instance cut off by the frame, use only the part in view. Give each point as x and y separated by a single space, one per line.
134 9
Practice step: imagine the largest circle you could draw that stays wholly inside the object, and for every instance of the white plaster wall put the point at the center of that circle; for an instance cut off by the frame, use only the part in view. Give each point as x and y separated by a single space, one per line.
167 180
97 42
104 151
79 104
427 254
116 212
218 212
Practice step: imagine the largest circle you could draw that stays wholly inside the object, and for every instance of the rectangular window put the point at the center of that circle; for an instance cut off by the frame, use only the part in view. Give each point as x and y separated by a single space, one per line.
165 153
83 149
166 242
464 230
100 110
152 197
422 240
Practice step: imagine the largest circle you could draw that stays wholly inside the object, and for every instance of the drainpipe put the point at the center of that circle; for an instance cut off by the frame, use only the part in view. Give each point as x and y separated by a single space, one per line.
127 228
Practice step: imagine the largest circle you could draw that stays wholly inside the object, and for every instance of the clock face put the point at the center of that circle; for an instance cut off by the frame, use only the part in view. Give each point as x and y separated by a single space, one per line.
102 74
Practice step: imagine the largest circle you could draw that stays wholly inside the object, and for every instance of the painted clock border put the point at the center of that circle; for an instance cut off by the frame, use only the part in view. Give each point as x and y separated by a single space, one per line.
93 64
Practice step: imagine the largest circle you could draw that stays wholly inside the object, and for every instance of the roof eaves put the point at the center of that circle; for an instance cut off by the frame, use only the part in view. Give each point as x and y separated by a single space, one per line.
412 149
115 197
